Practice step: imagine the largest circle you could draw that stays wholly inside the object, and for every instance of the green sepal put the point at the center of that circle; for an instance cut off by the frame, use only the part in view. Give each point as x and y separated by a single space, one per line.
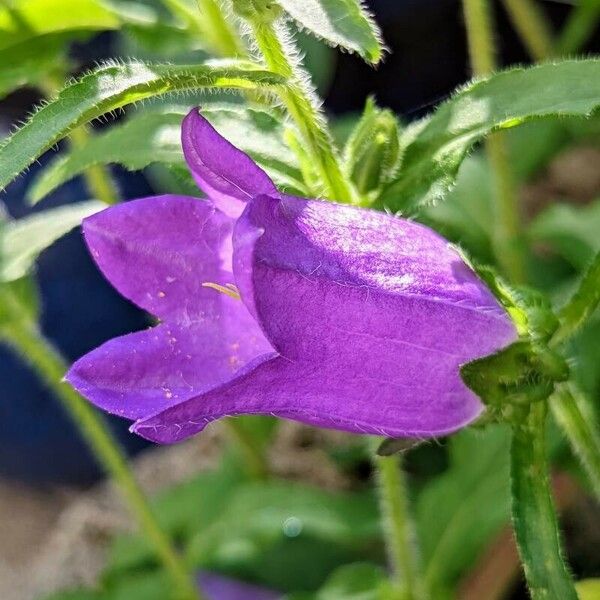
372 152
516 376
529 309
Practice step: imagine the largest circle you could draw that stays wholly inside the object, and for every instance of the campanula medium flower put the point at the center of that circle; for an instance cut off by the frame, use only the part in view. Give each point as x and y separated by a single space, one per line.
331 315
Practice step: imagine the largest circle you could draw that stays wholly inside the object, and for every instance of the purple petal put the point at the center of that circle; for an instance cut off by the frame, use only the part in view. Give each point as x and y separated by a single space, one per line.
319 275
145 372
217 587
228 176
347 399
159 251
364 296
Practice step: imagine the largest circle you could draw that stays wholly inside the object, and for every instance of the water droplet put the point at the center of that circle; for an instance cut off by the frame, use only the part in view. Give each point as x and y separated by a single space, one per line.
292 527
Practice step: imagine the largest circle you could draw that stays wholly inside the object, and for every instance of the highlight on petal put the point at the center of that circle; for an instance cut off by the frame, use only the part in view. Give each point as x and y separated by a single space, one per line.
318 275
228 176
148 371
159 251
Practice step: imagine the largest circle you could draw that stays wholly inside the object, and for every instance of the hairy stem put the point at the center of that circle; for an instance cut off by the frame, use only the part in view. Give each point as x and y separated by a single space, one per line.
303 108
223 38
532 25
28 341
579 27
254 458
97 177
399 532
581 305
574 412
507 234
534 515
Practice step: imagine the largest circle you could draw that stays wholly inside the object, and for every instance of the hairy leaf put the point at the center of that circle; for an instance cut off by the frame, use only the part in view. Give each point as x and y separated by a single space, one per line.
109 88
23 240
344 23
154 136
435 146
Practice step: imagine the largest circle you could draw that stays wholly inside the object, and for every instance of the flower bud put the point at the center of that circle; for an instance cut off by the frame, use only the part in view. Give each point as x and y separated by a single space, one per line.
373 150
257 10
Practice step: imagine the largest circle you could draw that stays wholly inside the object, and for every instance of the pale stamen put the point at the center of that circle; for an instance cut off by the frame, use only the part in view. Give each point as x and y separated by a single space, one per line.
228 289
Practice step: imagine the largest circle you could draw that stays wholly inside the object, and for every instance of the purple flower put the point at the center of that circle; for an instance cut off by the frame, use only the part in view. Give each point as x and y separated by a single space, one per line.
327 314
217 587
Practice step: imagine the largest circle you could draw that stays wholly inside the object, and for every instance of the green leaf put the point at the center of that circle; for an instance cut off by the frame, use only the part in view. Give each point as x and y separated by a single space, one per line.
359 581
344 23
111 87
435 146
182 511
29 62
571 231
154 136
588 589
459 512
23 240
287 536
466 217
26 19
22 292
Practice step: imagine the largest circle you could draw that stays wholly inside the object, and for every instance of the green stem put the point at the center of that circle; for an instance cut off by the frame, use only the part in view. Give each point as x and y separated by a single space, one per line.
507 235
399 532
582 304
28 341
97 177
534 515
478 22
574 413
223 38
532 25
580 26
303 109
255 460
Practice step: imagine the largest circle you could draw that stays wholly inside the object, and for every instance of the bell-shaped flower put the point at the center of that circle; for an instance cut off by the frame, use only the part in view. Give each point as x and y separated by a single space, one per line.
268 304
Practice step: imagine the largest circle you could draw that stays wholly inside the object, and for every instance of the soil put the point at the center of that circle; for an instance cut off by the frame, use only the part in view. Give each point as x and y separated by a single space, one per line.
52 539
